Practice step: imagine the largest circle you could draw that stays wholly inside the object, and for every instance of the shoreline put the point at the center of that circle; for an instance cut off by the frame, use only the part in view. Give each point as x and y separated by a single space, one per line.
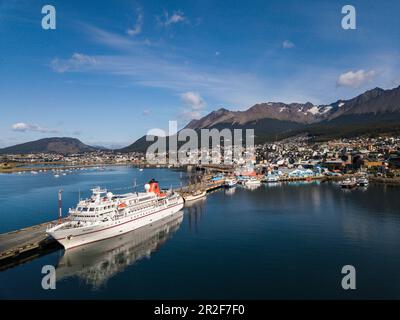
65 166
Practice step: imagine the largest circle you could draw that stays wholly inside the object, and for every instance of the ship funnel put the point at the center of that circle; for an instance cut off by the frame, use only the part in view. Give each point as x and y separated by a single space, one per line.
155 188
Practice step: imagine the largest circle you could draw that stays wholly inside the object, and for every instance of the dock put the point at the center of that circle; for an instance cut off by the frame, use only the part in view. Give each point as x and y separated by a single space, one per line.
22 245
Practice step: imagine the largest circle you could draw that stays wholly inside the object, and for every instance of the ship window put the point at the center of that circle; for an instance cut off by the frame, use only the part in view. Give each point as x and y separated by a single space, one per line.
85 209
91 209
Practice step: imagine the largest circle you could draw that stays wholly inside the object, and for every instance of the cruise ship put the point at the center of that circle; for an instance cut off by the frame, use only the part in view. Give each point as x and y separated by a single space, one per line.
105 215
96 263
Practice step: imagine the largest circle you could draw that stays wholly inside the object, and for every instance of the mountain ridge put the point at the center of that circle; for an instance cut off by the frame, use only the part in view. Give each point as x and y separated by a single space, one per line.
375 108
63 145
305 113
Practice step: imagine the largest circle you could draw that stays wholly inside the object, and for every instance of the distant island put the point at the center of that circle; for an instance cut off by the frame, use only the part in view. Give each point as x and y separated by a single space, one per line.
51 145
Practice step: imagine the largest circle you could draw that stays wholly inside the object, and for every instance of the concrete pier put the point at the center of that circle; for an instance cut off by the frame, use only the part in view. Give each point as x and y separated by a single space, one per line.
22 245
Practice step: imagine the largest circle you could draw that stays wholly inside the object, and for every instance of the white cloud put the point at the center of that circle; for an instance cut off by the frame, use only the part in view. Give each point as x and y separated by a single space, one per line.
146 112
287 44
142 65
76 61
194 105
143 68
137 29
24 127
176 17
355 79
193 100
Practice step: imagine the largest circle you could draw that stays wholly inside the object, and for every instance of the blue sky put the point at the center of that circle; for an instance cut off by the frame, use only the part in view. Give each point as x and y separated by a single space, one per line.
112 70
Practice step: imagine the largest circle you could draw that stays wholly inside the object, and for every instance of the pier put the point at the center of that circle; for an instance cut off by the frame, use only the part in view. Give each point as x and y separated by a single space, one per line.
22 245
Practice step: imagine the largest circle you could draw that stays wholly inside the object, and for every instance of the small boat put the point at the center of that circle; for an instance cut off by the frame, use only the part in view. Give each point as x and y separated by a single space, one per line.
252 182
348 183
242 180
229 183
141 169
56 176
195 195
362 182
271 178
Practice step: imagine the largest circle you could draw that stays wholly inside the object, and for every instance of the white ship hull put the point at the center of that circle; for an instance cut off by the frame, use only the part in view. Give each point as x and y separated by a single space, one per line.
75 237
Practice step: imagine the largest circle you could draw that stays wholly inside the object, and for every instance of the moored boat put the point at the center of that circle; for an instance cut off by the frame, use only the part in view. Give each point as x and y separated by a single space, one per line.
348 183
96 263
362 182
195 195
252 182
106 215
271 178
229 183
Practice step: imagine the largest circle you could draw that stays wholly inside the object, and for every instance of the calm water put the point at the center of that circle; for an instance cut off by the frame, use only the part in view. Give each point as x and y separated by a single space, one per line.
278 241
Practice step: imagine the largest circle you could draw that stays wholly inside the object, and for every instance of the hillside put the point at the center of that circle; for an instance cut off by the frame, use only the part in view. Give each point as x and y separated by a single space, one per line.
50 145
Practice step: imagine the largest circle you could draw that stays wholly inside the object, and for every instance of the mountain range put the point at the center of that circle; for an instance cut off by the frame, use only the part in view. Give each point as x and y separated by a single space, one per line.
375 101
373 112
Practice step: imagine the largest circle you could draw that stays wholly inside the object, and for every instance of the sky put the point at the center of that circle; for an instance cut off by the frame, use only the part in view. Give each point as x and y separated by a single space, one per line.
113 70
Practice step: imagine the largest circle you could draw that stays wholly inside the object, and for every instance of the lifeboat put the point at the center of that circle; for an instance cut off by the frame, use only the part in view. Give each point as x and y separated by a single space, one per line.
122 206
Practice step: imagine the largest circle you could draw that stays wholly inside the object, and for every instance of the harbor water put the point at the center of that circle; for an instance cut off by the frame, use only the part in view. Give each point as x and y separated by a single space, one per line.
277 241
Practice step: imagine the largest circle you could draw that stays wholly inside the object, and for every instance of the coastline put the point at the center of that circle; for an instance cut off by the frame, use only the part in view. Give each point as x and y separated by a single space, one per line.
64 166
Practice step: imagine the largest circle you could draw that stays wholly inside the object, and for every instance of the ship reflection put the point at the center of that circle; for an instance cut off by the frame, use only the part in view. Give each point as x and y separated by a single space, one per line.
96 263
194 212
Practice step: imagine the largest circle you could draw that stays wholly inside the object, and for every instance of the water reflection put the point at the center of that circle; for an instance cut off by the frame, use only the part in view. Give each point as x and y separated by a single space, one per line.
194 211
272 184
96 263
230 191
252 187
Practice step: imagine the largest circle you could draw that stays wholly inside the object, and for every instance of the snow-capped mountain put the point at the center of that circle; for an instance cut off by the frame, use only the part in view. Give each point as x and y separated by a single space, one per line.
375 110
374 101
